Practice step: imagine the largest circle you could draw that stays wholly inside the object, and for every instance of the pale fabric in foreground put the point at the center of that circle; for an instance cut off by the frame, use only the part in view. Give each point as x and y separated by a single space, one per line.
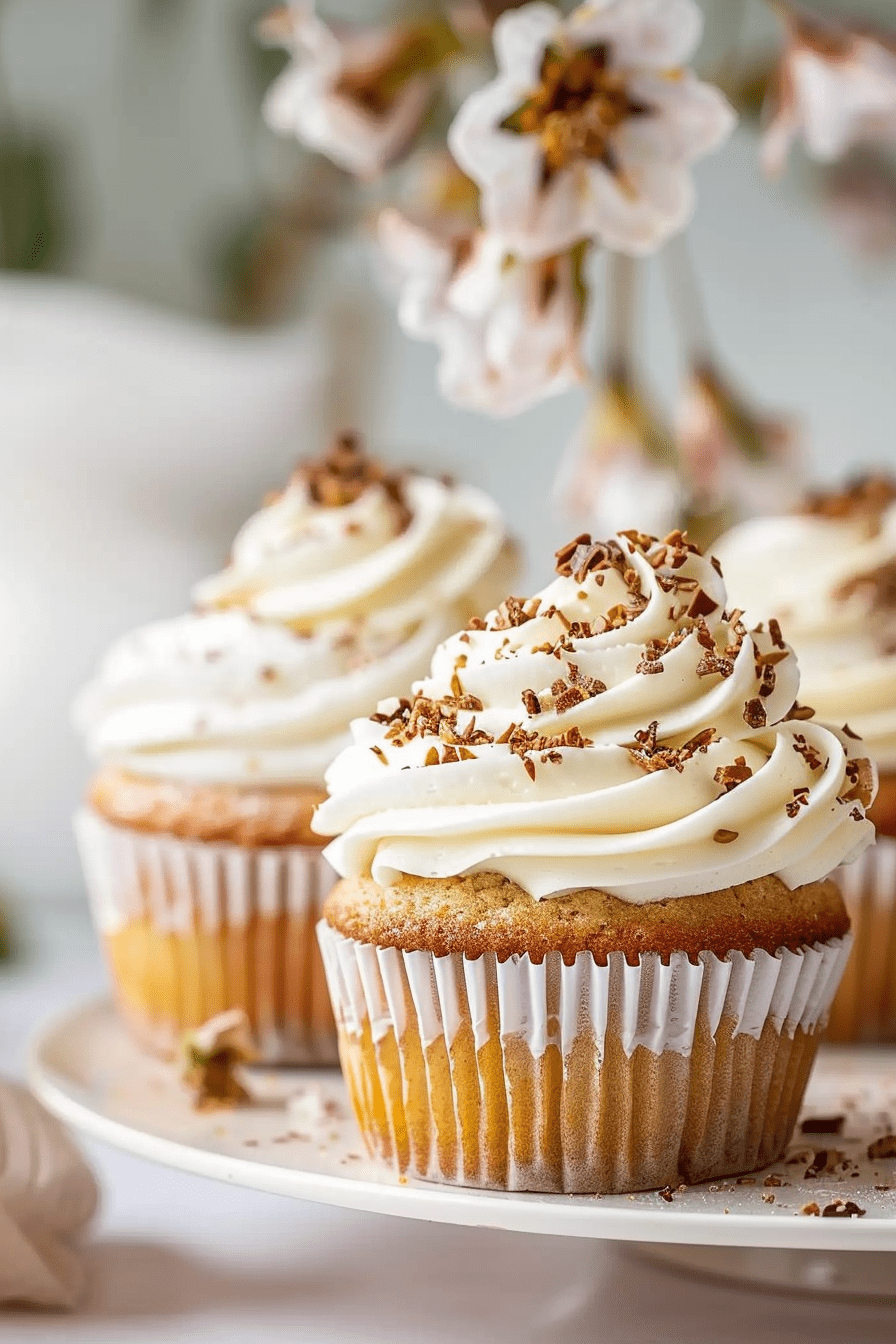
191 929
47 1195
578 1078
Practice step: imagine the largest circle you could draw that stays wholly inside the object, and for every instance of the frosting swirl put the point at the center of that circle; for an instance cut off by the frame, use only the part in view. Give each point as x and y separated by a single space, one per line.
620 730
830 575
345 540
336 596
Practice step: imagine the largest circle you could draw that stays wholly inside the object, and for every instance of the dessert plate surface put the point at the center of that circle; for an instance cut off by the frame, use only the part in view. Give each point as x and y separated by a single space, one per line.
301 1141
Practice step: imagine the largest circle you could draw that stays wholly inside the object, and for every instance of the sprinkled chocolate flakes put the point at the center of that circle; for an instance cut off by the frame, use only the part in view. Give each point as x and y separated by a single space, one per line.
800 799
344 472
807 751
582 555
515 611
531 702
870 494
702 604
729 776
860 776
754 714
652 756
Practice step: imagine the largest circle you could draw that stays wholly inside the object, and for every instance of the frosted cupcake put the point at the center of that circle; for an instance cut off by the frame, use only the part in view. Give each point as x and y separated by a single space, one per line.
828 574
212 733
585 939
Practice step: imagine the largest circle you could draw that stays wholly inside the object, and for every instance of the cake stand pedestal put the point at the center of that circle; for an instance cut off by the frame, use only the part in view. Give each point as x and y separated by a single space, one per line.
300 1140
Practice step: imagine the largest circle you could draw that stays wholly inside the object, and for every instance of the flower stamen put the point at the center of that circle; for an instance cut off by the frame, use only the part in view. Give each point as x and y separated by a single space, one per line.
576 108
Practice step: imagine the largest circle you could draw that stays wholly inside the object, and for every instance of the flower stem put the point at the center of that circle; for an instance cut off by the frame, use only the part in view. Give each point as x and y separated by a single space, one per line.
686 301
621 309
493 9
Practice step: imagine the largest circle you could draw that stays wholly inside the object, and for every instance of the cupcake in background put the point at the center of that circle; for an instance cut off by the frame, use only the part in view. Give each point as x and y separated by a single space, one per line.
585 939
212 733
828 574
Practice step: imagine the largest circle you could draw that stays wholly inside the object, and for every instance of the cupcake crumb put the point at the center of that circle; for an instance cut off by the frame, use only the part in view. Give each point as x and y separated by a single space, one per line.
212 1055
883 1147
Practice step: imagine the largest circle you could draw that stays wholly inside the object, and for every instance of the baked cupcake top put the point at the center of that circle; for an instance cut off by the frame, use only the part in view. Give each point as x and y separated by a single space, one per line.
336 595
828 574
620 730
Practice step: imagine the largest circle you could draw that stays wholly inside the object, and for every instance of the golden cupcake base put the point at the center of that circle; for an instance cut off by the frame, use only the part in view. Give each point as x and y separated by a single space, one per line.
577 1078
167 983
191 929
864 1009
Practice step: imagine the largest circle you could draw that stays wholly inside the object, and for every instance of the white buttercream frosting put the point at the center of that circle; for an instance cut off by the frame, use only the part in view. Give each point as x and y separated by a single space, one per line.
618 731
831 581
325 608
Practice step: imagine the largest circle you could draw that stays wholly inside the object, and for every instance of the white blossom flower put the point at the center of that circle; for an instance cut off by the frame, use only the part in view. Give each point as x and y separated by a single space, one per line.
509 331
620 469
836 87
739 462
357 96
590 128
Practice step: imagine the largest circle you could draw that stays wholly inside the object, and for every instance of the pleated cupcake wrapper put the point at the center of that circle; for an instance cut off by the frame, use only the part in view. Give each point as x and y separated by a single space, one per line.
229 926
865 1007
579 1077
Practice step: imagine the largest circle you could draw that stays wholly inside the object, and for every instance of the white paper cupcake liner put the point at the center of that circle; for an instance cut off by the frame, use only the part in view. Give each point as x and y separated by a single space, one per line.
191 929
865 1006
579 1078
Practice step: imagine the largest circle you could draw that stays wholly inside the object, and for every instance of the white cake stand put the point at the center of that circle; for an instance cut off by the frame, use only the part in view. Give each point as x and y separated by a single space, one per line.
301 1141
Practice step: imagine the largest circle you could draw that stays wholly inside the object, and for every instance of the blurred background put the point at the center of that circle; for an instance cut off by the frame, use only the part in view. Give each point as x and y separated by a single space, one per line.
188 303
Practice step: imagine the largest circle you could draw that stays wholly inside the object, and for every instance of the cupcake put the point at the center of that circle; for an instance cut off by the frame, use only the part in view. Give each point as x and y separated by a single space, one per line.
828 574
212 733
585 939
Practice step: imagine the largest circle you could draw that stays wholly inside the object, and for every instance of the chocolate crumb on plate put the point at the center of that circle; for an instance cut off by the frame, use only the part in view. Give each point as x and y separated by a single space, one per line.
823 1124
843 1208
824 1162
883 1147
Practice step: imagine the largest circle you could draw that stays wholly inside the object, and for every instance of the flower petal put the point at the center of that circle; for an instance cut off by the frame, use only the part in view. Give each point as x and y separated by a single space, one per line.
644 34
477 287
689 119
475 137
840 101
424 264
634 217
336 126
520 37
